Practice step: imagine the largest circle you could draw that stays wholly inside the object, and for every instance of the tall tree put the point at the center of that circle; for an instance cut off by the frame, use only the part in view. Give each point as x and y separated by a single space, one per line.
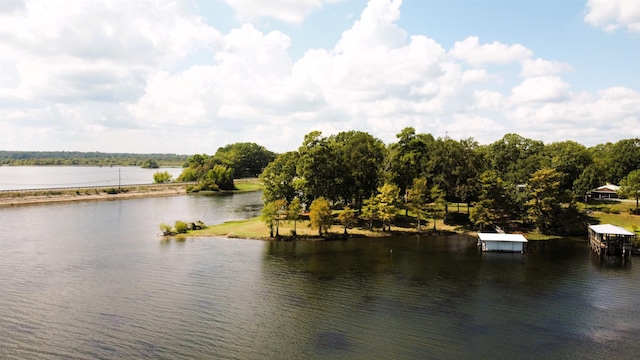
570 159
544 199
319 169
388 198
371 210
360 156
630 186
406 158
320 215
439 204
247 159
293 213
347 218
418 198
278 178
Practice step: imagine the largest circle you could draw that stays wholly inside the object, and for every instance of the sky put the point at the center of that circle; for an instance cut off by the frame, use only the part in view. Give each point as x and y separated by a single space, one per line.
190 76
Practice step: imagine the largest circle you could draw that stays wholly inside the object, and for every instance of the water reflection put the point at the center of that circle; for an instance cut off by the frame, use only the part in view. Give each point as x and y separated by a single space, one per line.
93 280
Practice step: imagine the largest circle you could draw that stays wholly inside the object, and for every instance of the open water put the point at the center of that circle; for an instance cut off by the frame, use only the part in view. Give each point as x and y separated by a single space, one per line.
91 280
47 177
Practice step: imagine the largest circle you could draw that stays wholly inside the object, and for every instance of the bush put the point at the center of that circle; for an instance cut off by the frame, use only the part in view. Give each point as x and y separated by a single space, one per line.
111 191
181 227
166 229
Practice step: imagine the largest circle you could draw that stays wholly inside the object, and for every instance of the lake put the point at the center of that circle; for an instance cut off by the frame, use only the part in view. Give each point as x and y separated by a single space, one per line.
46 177
93 280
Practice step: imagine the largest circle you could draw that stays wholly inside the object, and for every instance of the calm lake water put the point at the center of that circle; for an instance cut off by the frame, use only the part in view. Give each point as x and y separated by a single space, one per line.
92 280
45 177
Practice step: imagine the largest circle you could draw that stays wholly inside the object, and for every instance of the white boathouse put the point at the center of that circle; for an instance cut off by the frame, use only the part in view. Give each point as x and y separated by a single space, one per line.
502 242
611 240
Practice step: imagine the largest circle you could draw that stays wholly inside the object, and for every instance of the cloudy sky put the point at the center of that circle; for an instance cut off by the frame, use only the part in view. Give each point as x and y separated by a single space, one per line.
189 76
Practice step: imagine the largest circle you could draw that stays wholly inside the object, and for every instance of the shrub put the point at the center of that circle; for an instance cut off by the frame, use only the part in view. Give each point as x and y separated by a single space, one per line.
166 229
181 227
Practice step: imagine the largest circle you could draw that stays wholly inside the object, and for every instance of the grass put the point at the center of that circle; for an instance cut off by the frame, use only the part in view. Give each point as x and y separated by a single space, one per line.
610 212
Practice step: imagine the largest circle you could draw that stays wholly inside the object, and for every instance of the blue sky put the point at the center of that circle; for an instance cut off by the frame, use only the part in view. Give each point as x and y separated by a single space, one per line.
189 76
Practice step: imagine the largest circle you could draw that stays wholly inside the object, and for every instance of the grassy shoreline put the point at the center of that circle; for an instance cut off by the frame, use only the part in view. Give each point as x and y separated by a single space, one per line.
611 212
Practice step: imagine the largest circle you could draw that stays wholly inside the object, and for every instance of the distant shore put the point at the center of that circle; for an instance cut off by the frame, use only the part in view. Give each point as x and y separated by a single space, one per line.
33 197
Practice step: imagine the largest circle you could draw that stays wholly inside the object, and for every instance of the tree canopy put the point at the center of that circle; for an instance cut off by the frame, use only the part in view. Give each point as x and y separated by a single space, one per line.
514 179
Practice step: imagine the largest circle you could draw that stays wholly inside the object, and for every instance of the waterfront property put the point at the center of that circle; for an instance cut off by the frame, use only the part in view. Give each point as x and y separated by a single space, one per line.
608 191
610 240
502 242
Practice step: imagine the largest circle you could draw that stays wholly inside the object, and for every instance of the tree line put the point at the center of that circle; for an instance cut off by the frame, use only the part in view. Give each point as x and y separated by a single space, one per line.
513 182
41 158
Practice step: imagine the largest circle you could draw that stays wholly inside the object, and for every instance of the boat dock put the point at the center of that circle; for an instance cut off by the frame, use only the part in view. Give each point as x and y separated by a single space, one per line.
611 240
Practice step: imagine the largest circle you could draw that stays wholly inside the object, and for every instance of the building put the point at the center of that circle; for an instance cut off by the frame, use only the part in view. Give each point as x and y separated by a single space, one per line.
610 240
502 242
608 191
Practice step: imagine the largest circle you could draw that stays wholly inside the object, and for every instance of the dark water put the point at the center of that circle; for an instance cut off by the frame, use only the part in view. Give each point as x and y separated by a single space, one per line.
92 280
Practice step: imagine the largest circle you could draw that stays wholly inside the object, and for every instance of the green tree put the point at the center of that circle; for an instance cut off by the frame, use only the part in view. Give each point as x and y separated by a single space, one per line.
162 177
320 215
544 199
387 200
150 164
516 158
293 213
418 198
319 169
245 158
492 201
281 209
406 158
630 186
371 210
347 218
360 158
570 159
439 204
269 215
279 177
481 216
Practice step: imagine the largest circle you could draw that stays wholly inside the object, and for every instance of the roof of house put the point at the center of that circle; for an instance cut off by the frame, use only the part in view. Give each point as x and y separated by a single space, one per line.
608 188
501 237
610 229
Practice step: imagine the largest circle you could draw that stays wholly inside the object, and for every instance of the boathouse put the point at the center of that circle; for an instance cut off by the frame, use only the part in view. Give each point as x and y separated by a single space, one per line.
502 242
610 240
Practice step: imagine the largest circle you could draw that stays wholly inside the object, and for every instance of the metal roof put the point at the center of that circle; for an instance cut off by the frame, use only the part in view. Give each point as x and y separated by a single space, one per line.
501 237
610 229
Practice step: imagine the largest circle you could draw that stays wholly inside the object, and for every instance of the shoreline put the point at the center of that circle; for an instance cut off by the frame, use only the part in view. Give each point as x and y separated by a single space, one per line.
38 197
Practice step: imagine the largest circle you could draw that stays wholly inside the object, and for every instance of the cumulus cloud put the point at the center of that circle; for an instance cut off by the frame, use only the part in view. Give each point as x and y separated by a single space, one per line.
542 67
540 89
291 11
611 15
471 51
117 76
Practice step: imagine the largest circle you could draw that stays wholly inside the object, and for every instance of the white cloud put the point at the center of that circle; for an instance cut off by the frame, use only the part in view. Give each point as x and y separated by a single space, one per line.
613 14
291 11
541 67
471 51
540 89
120 77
